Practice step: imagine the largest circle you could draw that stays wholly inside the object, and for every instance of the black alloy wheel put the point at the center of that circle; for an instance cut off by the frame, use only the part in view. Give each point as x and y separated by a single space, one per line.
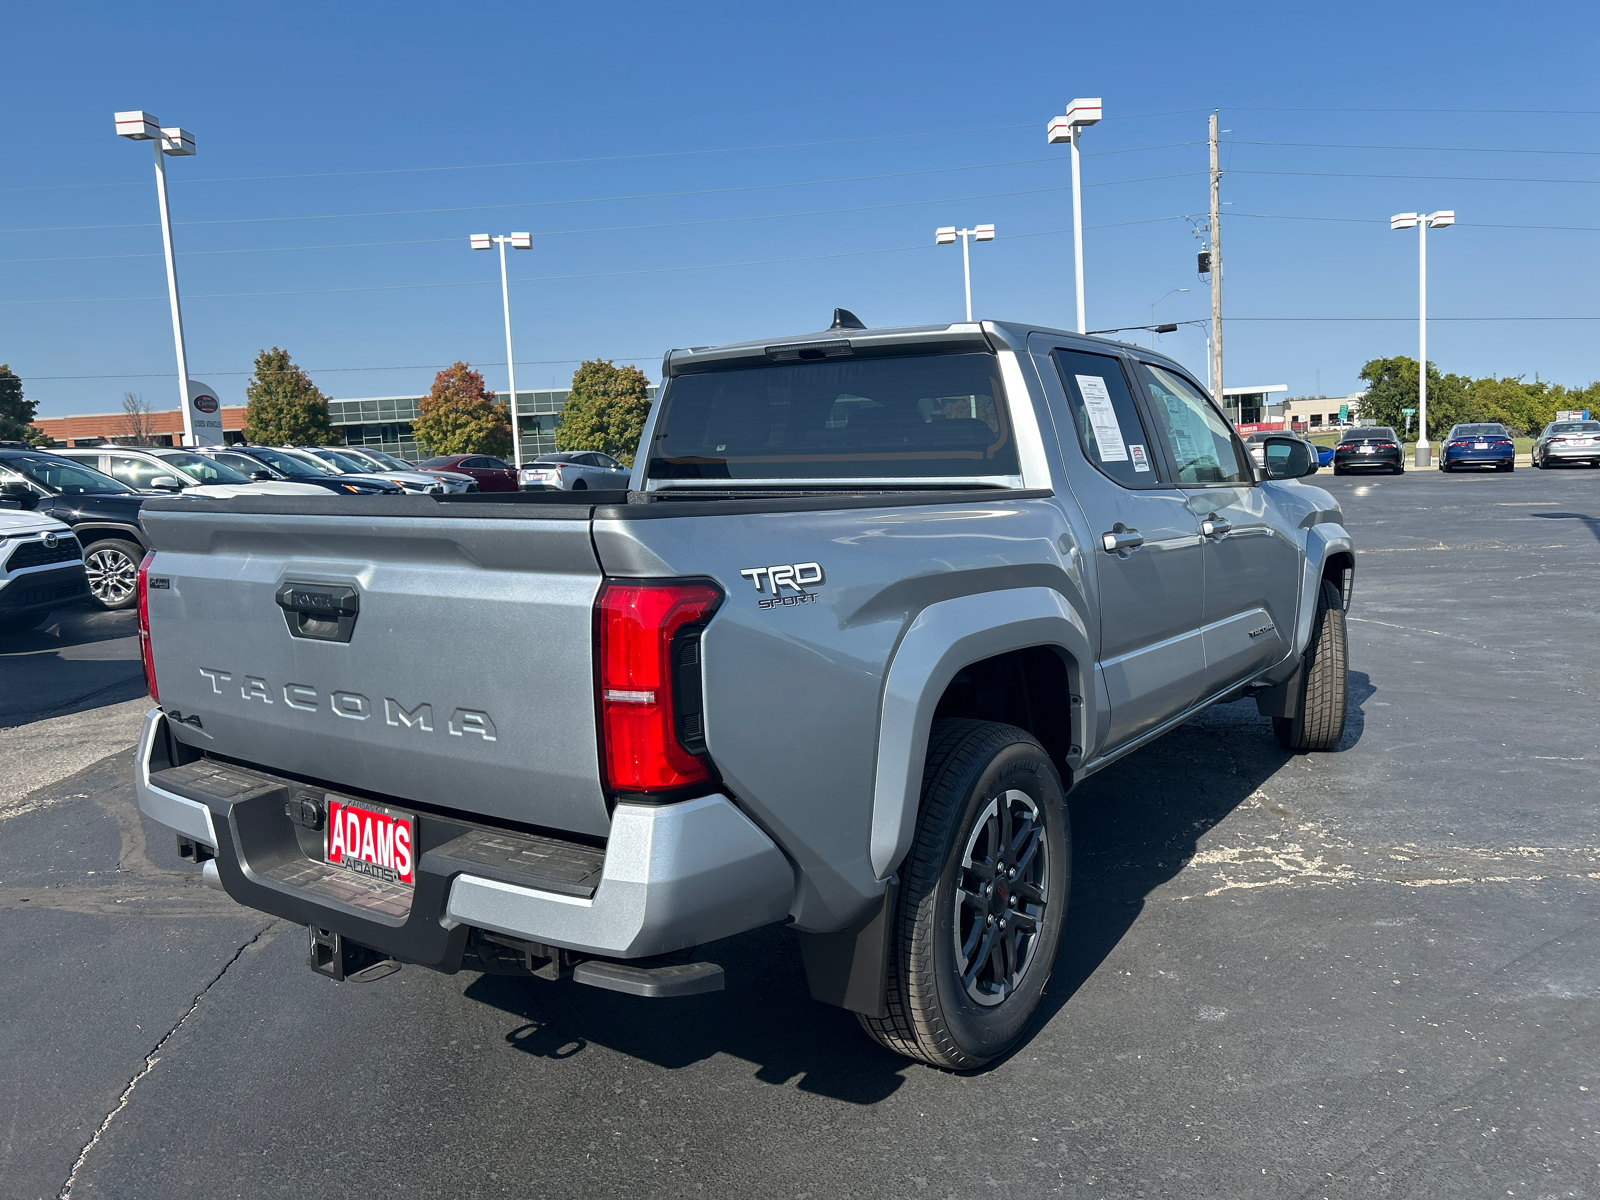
982 900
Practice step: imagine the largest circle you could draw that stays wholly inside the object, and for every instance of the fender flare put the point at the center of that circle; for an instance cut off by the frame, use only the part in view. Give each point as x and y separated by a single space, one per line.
131 533
943 638
1323 540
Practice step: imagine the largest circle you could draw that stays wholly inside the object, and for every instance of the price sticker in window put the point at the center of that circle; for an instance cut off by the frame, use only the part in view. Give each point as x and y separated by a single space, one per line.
1140 461
1103 417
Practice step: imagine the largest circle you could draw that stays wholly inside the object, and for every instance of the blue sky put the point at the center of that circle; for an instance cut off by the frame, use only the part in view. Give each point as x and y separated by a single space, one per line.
712 172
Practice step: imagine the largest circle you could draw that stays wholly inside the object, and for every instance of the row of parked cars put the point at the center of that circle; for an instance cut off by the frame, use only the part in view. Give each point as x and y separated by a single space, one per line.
69 518
1474 446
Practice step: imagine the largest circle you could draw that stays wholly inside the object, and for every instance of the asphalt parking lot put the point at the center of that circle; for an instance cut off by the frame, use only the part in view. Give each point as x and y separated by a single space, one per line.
1372 972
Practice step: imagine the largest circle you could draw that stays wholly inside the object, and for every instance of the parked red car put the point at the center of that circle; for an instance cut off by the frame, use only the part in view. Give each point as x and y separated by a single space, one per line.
492 474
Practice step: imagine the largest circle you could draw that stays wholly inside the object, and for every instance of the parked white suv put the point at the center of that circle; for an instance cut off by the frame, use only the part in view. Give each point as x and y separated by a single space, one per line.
41 569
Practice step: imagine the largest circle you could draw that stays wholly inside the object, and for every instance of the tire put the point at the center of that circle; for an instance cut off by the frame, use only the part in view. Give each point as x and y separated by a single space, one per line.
580 486
113 567
1318 723
1339 471
961 992
1399 470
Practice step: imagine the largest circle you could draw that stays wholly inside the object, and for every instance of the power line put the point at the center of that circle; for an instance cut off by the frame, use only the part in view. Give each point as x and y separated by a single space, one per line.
1442 149
393 287
408 212
1384 222
1367 175
562 232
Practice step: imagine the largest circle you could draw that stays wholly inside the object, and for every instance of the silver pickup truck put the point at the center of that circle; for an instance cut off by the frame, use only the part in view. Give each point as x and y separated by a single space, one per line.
872 602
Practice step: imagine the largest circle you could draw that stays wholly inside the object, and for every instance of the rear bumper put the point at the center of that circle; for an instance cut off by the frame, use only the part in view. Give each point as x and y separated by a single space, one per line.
1574 453
1368 462
39 591
1478 460
673 875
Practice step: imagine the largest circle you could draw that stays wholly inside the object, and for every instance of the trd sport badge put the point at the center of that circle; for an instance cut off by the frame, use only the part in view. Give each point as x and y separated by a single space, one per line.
796 576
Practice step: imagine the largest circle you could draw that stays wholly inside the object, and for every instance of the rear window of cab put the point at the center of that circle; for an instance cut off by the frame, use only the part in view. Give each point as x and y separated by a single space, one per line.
933 417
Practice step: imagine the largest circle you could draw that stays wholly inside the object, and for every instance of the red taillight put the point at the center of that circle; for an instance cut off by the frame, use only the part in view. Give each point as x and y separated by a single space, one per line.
144 627
642 717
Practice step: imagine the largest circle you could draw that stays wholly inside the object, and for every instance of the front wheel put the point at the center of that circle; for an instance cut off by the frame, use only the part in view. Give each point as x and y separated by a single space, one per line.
113 569
1318 722
982 900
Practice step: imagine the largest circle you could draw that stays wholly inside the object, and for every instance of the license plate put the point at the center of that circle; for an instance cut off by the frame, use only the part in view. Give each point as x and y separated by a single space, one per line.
1366 450
1480 445
368 839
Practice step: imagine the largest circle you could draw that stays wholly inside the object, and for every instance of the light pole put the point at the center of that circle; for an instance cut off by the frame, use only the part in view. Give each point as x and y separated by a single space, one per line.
947 234
143 127
1442 219
1079 115
1153 303
519 241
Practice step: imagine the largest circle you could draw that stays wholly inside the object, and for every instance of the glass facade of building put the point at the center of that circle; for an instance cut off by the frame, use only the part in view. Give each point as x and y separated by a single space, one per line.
384 422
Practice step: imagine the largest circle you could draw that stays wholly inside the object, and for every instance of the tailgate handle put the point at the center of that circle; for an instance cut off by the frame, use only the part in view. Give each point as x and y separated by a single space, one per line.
324 611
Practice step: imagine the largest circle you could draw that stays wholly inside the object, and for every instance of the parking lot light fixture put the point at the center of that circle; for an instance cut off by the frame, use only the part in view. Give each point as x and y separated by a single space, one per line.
1080 114
138 126
946 235
1422 222
518 241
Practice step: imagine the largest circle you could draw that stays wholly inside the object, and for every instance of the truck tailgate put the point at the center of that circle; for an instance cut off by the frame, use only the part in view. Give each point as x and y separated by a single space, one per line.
460 673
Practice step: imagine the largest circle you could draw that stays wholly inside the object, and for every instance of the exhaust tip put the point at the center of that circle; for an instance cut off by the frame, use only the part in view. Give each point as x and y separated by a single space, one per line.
208 873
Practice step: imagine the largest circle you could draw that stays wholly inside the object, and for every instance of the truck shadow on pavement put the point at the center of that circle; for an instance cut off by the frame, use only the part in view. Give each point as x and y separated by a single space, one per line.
1135 825
82 658
1592 524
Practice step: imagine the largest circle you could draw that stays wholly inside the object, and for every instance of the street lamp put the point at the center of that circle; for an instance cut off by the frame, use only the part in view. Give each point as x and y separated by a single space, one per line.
1442 219
1079 115
519 241
946 234
1153 303
143 127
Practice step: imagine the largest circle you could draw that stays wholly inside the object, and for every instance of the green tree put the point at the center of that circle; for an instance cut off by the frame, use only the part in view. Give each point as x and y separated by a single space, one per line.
284 407
1392 386
605 410
460 416
16 412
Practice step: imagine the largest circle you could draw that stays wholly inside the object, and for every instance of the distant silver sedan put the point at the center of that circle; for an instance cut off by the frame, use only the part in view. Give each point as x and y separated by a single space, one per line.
574 471
1564 442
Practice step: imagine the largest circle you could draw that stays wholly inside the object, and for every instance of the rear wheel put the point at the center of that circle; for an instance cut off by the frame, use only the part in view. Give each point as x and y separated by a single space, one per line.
1318 722
113 569
983 896
580 486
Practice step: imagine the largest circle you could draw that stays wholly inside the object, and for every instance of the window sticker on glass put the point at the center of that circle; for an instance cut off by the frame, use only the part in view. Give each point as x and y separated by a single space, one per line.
1140 462
1107 433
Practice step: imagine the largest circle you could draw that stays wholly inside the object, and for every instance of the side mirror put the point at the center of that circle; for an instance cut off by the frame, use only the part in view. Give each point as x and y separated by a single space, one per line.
260 476
1287 458
167 483
19 495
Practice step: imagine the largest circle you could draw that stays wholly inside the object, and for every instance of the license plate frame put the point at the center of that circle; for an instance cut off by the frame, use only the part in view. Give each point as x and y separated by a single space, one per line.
1480 445
385 840
1367 450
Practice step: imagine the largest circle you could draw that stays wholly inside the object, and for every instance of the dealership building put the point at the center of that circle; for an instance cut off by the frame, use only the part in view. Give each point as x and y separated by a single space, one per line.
382 422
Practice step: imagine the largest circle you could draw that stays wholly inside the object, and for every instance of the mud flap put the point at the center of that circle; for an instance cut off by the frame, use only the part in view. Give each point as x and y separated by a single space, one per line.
850 969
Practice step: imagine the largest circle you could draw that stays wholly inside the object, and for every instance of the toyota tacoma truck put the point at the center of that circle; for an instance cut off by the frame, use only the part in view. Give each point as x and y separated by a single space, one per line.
872 602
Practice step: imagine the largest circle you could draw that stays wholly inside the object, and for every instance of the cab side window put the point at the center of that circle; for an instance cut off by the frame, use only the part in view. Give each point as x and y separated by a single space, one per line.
135 472
1105 417
1201 441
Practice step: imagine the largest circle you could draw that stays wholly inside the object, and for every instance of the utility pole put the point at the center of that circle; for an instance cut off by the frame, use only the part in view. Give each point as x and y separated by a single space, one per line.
1216 268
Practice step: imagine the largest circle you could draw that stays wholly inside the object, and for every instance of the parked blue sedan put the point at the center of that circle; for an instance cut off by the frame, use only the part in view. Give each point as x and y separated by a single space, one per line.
1483 445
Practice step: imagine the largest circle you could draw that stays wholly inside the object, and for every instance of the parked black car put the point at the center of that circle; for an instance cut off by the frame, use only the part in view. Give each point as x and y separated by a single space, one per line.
264 462
103 514
1369 448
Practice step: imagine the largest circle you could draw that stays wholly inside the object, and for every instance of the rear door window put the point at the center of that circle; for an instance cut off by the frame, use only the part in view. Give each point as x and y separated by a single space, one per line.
1107 421
1203 445
934 417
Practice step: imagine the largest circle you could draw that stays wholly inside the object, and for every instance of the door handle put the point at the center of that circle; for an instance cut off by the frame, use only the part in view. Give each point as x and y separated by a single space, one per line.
1215 527
1121 539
